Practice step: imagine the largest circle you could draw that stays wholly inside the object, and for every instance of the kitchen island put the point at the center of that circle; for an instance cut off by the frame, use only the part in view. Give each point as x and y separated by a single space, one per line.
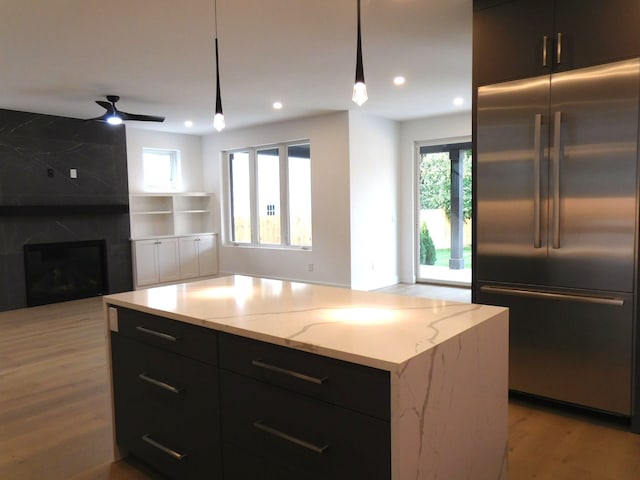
241 377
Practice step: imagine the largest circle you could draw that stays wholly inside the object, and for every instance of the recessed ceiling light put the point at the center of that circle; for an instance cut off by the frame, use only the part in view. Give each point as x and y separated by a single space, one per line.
458 101
399 80
277 105
188 123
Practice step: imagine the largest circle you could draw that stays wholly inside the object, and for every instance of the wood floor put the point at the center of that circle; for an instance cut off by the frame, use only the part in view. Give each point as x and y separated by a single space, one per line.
55 422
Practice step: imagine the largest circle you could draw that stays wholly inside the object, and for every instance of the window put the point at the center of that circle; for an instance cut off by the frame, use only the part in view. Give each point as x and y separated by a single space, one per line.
299 165
161 169
270 195
240 197
269 230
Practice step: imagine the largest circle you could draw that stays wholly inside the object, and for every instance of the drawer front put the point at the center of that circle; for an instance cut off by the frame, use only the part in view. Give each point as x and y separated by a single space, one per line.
357 387
166 409
240 464
301 434
189 340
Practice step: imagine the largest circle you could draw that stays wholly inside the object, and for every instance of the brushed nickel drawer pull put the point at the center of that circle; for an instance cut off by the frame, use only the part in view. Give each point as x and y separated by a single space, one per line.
158 383
164 336
260 425
273 368
172 453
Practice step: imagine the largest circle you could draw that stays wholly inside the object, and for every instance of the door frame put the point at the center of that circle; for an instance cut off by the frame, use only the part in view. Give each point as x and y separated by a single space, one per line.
416 206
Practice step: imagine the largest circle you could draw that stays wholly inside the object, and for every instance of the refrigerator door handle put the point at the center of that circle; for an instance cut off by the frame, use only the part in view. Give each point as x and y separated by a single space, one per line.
521 292
537 147
557 157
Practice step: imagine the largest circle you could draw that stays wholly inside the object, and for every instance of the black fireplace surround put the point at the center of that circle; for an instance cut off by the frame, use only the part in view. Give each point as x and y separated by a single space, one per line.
42 203
58 272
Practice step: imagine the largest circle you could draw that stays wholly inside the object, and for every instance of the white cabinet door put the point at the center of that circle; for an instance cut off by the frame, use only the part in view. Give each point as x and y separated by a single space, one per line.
208 255
189 257
168 266
170 259
146 263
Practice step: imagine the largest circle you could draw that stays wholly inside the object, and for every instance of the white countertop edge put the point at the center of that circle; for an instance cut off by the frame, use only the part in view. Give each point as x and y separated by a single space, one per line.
366 360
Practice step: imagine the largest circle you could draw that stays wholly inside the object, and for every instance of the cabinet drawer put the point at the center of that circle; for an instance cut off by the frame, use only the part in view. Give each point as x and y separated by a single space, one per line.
166 409
189 340
240 464
301 434
357 387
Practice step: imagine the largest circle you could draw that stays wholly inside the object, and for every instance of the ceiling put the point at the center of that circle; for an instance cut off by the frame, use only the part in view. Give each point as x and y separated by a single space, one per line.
59 56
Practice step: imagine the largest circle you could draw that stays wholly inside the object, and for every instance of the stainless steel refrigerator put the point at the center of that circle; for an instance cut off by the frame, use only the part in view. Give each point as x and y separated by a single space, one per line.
556 197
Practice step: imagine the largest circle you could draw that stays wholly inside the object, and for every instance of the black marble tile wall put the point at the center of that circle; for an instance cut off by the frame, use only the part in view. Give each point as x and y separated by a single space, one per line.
41 203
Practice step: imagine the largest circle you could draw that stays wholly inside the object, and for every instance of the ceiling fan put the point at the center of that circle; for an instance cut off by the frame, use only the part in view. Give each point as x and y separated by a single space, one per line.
114 116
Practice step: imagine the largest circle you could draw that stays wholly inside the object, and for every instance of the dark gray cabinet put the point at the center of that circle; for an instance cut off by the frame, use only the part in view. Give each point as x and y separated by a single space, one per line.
165 414
194 403
291 411
526 38
166 399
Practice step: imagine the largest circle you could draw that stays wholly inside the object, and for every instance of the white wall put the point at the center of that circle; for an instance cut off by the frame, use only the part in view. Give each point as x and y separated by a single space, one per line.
434 130
374 172
358 178
190 147
330 255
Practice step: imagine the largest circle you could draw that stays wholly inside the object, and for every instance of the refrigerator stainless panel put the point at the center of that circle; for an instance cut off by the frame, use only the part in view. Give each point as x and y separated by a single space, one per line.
556 205
593 176
587 152
512 180
571 346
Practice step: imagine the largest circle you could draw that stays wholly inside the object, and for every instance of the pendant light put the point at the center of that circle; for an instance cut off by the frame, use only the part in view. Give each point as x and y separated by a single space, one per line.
218 119
359 89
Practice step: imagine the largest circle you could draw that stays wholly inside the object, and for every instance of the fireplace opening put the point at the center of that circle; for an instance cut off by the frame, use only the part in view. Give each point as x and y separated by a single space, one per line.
59 272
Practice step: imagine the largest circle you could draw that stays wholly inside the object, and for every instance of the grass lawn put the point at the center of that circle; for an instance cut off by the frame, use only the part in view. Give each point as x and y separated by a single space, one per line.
442 257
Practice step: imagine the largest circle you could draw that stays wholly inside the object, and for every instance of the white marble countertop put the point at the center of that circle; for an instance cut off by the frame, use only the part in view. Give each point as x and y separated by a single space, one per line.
374 329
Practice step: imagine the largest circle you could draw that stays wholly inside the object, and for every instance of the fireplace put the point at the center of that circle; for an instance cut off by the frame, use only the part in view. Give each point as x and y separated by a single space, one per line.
58 272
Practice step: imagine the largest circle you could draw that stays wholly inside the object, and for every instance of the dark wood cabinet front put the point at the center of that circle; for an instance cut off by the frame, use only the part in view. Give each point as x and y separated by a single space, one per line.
316 439
166 409
356 387
594 32
526 38
194 403
509 40
166 402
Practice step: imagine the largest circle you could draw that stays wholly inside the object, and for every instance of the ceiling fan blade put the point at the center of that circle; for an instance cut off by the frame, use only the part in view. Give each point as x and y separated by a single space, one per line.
140 118
112 110
101 118
106 105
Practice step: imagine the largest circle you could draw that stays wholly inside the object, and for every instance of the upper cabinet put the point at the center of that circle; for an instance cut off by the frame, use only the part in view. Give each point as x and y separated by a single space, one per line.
526 38
508 39
170 214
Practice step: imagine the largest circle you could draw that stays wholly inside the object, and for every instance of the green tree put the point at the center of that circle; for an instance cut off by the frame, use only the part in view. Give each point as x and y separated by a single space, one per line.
435 182
427 248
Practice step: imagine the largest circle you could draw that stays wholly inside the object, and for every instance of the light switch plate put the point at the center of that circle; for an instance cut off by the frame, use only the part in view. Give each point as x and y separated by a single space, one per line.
73 173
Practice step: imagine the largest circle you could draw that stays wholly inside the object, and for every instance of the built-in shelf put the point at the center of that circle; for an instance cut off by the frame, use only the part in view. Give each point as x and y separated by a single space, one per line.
156 215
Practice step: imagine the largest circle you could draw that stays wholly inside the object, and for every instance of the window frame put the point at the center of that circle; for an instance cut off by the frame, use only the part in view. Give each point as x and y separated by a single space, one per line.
228 221
174 183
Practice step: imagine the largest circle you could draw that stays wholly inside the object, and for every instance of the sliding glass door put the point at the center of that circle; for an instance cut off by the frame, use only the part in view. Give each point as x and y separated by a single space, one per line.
444 220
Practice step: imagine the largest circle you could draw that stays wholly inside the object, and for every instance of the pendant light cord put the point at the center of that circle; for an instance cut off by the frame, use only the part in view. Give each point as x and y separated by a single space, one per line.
218 110
359 66
215 17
